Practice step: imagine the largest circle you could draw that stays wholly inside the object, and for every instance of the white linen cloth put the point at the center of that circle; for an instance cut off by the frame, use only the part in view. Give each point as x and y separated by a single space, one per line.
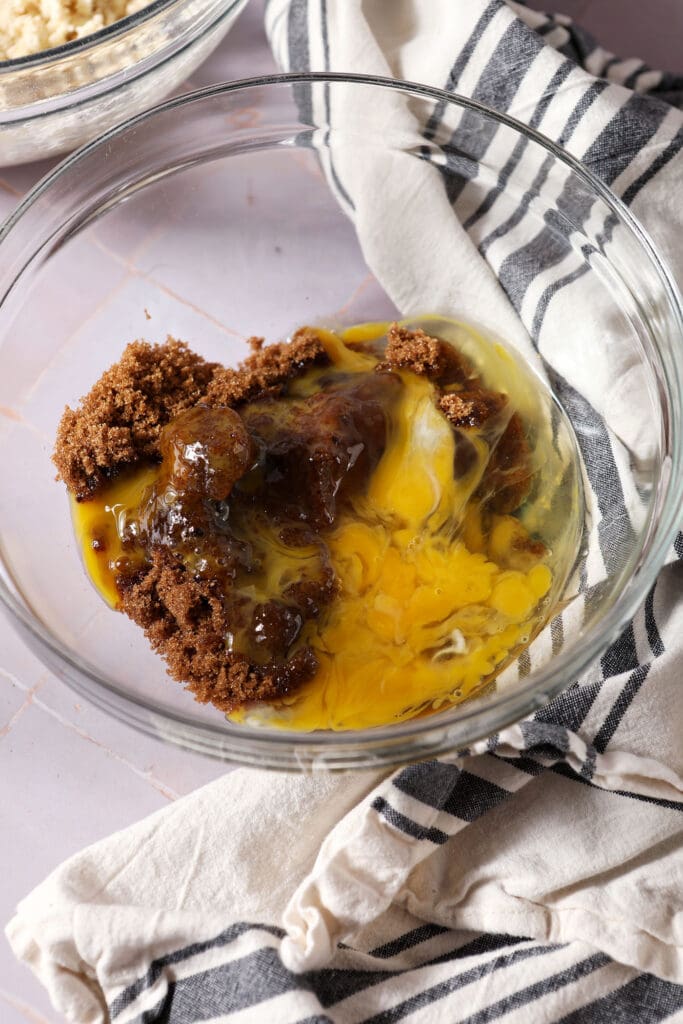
540 875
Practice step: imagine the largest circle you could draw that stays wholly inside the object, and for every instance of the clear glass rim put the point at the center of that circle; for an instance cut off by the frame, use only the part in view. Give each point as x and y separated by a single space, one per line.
444 731
105 81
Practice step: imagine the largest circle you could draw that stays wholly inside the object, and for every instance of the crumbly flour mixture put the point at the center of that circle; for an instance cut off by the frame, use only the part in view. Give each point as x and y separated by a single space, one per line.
29 26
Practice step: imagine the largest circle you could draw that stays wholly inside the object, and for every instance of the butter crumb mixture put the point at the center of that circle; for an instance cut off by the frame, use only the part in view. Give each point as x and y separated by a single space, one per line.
30 26
322 538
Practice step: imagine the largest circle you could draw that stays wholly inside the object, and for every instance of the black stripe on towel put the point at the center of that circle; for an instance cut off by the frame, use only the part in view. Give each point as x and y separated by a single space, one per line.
523 764
260 976
407 825
569 773
620 707
645 1000
473 796
630 80
533 768
548 739
459 66
666 155
326 53
430 782
157 967
228 988
299 60
628 197
621 656
332 985
653 637
480 945
571 707
579 46
515 51
408 940
522 998
531 993
615 531
512 162
627 133
586 101
669 89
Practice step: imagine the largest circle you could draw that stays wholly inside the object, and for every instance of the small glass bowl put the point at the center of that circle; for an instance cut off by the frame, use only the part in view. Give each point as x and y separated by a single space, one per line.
219 215
53 101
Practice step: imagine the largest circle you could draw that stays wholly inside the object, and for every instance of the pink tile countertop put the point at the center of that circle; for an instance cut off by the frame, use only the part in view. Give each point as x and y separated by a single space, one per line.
69 775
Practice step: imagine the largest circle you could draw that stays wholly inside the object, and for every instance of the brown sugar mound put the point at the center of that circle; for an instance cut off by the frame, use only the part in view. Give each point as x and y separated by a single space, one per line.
119 422
471 408
185 621
266 370
120 419
417 351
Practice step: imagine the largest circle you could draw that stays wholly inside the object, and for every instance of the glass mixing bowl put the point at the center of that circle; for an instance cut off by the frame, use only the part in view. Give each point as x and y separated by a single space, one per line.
220 215
53 101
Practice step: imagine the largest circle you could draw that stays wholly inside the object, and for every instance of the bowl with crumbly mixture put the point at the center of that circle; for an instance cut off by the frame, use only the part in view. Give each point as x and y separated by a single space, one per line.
68 70
304 509
28 27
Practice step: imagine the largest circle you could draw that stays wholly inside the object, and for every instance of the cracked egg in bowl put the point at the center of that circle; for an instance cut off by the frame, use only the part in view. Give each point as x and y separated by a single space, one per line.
303 521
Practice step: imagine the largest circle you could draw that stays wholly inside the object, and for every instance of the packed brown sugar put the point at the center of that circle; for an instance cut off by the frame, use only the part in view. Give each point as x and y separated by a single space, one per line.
328 536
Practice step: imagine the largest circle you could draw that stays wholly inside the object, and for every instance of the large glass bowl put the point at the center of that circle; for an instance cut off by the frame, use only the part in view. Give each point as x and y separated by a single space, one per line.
219 215
53 101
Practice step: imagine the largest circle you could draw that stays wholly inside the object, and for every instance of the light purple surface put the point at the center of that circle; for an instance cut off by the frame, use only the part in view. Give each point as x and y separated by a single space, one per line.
68 774
630 28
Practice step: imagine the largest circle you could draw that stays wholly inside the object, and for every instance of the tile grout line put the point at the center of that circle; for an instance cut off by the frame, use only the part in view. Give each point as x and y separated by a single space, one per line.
166 791
28 700
135 271
19 420
138 250
29 1012
6 187
356 293
69 341
4 674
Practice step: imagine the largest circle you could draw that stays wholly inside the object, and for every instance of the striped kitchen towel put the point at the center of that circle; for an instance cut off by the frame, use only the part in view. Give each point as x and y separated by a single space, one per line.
539 875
